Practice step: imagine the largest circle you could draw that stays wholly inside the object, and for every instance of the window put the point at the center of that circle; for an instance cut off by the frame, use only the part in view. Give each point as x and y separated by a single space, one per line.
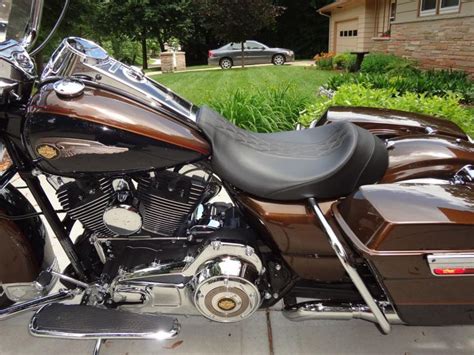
393 11
435 7
254 45
449 6
428 7
350 33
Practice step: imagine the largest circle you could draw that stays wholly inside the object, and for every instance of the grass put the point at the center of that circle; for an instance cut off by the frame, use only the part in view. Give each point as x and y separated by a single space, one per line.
204 87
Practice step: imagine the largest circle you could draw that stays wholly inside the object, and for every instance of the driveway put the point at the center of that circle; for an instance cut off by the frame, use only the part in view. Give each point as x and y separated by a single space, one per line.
267 332
298 63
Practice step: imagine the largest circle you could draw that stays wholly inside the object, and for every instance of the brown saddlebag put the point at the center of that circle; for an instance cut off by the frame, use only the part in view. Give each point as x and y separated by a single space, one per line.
419 241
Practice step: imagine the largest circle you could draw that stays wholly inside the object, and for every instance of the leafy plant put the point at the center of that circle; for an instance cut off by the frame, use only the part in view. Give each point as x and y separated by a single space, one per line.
344 60
447 106
262 110
324 60
433 82
381 63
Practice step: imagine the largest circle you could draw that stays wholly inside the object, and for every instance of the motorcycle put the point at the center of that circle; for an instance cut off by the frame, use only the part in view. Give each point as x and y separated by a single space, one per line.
366 214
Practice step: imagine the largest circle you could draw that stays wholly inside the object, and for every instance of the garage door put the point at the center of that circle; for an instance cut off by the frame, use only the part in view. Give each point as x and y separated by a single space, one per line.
347 33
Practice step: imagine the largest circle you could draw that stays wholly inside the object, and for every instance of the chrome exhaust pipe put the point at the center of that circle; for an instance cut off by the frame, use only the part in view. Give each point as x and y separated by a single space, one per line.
19 307
319 310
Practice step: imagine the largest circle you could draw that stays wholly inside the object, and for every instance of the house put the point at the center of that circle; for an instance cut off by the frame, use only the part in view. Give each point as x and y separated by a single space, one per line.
436 33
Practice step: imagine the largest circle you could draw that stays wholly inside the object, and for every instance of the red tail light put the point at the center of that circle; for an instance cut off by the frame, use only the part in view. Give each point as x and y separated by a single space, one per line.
454 271
210 54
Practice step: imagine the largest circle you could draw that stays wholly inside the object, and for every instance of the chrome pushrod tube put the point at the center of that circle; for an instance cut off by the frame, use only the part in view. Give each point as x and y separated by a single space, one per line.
350 269
35 303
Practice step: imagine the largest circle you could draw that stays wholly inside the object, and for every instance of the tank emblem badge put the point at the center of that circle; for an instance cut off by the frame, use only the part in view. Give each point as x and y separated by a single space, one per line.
226 304
47 151
53 147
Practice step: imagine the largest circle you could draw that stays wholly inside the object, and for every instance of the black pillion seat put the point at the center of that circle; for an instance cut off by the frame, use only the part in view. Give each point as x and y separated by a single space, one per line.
324 162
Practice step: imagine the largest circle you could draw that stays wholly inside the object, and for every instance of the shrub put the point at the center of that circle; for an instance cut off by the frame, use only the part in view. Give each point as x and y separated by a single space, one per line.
344 60
434 82
269 110
324 60
358 95
381 63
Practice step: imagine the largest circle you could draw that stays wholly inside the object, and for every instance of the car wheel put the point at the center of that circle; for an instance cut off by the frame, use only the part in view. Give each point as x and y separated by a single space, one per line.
226 63
278 59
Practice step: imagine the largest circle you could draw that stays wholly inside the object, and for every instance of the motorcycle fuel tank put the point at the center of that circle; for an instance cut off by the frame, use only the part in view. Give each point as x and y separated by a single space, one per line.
99 131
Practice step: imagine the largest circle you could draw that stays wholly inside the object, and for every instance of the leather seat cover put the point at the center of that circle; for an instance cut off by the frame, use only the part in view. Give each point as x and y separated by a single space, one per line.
324 162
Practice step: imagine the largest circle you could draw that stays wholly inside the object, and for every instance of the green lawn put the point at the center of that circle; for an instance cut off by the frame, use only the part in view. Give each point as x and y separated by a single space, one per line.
201 87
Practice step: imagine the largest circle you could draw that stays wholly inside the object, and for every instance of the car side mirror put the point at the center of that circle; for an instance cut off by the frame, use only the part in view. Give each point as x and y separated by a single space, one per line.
263 48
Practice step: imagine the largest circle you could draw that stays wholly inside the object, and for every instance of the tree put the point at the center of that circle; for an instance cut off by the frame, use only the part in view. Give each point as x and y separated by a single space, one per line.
238 20
144 19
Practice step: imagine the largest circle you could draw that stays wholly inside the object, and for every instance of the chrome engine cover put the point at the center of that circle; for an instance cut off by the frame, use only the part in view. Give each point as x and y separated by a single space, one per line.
122 219
222 275
226 290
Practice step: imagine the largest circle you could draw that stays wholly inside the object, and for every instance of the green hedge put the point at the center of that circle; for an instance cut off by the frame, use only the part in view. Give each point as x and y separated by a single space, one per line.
432 82
344 61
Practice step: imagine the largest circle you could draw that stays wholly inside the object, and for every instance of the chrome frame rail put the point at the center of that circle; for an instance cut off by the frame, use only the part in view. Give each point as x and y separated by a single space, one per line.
350 269
35 303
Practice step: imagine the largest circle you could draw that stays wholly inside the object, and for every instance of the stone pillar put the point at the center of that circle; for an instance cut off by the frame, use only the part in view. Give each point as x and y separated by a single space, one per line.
180 61
167 62
173 61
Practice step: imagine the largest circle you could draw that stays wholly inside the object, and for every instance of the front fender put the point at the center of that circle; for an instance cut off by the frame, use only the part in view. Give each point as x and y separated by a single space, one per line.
392 123
25 249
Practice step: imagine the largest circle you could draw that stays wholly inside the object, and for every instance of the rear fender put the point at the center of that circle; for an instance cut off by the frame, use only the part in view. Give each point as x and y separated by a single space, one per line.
392 123
415 157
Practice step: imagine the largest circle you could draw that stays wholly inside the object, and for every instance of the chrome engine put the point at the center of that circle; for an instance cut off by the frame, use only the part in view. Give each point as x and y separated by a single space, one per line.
159 204
221 282
163 247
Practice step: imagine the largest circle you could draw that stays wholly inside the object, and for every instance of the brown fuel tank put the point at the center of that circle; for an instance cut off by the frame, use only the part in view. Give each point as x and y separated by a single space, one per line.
102 131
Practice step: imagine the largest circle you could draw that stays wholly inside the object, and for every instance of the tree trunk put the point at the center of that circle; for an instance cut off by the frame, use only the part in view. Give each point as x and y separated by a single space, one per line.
242 54
144 50
161 42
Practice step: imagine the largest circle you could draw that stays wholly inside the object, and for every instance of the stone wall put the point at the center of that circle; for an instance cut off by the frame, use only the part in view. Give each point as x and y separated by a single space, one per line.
441 43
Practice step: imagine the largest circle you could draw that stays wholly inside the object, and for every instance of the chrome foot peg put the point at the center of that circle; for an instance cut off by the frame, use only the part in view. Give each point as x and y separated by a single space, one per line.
87 322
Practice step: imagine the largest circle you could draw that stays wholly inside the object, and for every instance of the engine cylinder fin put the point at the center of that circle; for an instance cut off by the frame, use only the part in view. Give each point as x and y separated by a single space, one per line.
167 200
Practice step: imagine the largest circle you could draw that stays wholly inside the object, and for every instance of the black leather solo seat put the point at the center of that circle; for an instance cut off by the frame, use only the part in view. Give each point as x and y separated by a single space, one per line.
324 162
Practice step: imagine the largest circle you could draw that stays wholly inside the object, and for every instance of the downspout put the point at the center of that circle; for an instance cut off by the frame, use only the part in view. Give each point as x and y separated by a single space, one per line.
329 17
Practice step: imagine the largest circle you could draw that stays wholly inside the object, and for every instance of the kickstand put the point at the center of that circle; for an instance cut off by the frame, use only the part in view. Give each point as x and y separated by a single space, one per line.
98 345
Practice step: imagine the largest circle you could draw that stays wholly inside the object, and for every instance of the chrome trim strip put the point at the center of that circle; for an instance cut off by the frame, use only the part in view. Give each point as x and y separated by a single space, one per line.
451 260
33 304
350 269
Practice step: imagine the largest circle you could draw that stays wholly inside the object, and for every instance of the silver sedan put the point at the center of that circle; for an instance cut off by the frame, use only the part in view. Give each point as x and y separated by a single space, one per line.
254 53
